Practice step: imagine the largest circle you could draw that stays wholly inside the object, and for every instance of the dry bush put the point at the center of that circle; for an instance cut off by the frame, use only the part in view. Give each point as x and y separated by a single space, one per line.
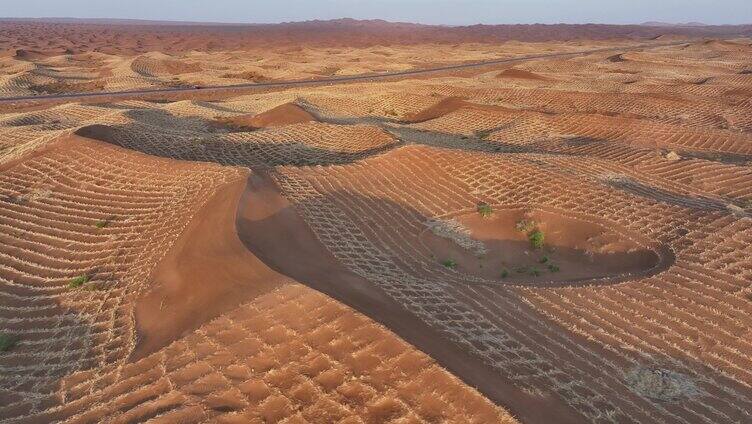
661 384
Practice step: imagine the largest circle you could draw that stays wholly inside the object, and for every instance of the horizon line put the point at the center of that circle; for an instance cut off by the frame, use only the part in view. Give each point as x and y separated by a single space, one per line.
692 24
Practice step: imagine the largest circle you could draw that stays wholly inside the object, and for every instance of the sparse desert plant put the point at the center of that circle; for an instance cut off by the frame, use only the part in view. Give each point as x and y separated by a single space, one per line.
536 239
102 223
78 281
7 341
535 272
449 263
553 268
485 210
504 273
37 194
673 156
736 210
543 260
482 133
661 384
525 225
522 270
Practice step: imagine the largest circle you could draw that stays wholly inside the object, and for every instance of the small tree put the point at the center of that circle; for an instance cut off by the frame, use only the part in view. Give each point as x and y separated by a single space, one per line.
536 239
485 210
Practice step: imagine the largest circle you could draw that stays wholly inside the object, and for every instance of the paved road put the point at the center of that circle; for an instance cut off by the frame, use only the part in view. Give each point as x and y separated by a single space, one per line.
323 81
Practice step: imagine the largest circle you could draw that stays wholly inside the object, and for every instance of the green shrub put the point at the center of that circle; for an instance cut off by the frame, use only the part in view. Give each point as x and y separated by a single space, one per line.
553 268
543 260
536 239
485 210
449 263
78 281
7 341
504 274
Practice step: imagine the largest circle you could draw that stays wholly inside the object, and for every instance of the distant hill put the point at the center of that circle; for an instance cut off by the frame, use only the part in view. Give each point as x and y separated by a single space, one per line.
679 25
134 37
112 21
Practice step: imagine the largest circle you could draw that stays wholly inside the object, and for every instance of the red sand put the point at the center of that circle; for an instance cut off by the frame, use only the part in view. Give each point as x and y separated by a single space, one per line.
282 115
520 74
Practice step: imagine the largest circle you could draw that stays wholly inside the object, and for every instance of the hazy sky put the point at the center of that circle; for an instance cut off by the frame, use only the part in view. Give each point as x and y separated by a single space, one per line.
454 12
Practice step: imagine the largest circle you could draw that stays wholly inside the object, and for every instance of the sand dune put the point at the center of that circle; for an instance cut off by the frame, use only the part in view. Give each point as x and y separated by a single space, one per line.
286 114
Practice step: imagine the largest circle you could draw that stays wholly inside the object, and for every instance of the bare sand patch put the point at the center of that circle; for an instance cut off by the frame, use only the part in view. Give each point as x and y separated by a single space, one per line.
207 272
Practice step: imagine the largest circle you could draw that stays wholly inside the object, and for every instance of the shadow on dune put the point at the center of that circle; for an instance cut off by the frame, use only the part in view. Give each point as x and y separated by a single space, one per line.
667 197
191 139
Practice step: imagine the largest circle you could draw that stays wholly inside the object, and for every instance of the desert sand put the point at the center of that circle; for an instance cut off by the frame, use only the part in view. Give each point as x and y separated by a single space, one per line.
556 240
